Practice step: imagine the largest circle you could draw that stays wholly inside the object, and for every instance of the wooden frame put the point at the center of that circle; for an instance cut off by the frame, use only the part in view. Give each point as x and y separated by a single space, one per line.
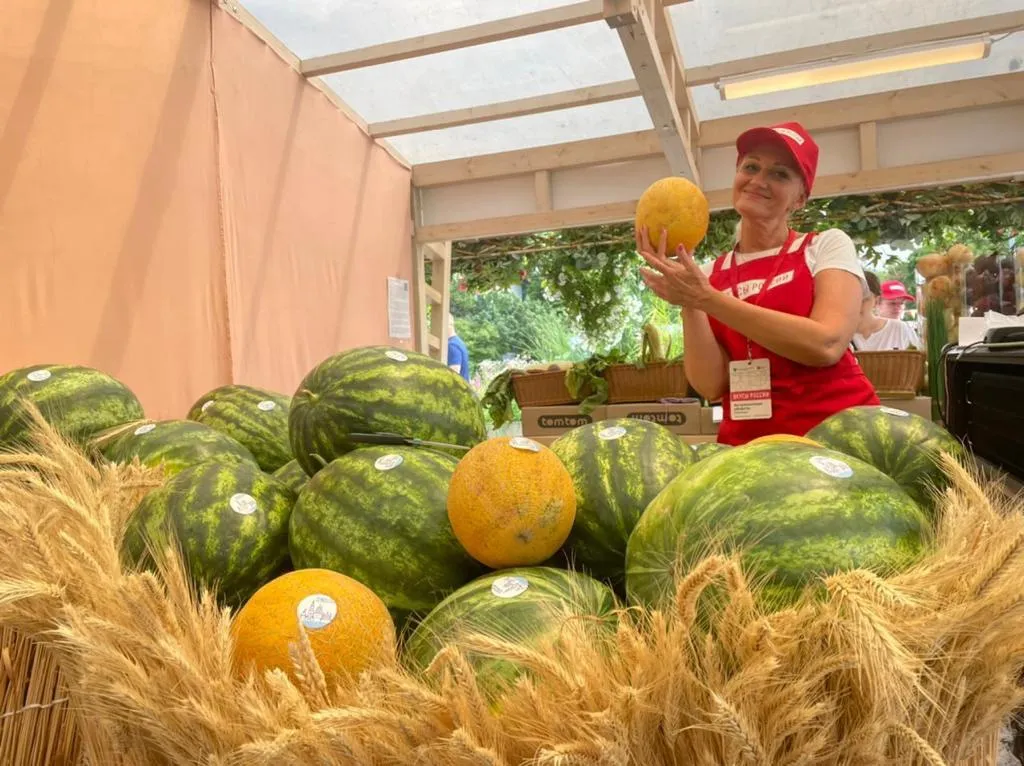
433 335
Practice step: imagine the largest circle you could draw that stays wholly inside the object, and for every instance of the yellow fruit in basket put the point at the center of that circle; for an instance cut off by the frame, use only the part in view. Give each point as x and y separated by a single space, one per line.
511 502
934 265
675 204
784 438
349 627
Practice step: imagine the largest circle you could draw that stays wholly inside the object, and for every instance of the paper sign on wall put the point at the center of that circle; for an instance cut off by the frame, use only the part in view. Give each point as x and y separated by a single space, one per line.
399 316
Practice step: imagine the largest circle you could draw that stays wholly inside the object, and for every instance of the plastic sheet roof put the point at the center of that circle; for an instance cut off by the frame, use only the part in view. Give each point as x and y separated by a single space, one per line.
708 32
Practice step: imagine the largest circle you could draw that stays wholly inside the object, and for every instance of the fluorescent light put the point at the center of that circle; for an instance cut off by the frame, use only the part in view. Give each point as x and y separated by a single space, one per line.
888 62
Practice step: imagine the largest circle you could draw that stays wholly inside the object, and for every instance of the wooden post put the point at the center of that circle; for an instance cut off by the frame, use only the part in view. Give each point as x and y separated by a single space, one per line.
433 335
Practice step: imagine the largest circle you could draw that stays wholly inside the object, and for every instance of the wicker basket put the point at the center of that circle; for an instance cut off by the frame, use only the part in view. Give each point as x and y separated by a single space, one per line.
542 389
651 383
894 373
37 727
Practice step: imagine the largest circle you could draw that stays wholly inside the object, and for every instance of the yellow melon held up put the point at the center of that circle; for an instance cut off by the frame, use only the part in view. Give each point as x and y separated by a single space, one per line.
511 502
675 204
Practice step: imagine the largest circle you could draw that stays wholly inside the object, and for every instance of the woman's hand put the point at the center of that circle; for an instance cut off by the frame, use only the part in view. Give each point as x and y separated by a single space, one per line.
678 280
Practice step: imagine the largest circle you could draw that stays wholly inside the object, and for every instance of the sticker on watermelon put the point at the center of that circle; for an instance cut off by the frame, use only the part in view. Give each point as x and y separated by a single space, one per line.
829 466
509 587
611 433
895 412
317 611
206 405
266 405
243 504
387 462
145 429
38 376
397 356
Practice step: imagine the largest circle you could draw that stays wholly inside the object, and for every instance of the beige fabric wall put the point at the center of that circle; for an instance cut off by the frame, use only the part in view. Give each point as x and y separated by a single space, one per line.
178 207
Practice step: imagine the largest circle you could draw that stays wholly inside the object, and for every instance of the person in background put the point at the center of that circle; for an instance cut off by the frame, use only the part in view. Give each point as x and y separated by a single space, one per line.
881 333
458 353
893 299
773 316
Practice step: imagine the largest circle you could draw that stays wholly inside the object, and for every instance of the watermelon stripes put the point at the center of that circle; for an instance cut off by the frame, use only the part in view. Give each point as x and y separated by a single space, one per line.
291 473
174 444
254 417
617 467
796 511
377 389
379 515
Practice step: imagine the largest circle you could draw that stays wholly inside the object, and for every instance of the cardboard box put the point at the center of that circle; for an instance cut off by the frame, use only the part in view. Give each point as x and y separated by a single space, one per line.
710 417
919 405
696 439
678 418
555 421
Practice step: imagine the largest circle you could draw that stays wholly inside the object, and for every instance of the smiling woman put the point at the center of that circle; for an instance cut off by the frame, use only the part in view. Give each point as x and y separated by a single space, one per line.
768 325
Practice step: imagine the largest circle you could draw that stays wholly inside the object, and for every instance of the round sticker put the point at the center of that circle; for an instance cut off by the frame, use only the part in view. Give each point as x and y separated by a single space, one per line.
829 466
144 429
206 405
521 442
38 376
612 432
243 504
317 611
509 587
387 462
398 356
894 411
266 405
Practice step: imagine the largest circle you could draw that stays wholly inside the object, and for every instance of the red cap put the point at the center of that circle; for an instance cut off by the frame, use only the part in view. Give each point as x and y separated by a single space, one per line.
792 137
893 290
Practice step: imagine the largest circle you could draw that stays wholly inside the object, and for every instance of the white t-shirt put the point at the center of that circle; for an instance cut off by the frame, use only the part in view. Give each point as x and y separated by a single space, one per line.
894 335
831 249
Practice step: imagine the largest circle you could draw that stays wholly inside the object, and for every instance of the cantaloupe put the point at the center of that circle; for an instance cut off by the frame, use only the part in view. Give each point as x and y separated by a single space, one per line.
511 502
675 204
349 627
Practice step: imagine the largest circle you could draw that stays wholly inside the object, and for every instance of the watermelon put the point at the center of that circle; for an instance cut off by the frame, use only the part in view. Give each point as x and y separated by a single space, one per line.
173 444
707 449
254 417
903 446
379 515
526 605
617 467
291 473
231 520
377 389
79 402
797 512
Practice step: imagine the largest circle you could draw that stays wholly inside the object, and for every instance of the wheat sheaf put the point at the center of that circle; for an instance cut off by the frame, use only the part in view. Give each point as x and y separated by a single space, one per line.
919 668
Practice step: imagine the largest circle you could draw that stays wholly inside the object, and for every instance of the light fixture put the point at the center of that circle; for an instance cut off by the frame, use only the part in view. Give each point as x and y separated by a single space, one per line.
853 68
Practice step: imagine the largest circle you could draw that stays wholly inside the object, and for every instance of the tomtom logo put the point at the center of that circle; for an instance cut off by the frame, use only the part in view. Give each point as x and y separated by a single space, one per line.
661 418
564 421
790 134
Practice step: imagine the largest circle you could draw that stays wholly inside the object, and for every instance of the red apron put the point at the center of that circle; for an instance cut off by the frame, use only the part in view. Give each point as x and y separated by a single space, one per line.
802 396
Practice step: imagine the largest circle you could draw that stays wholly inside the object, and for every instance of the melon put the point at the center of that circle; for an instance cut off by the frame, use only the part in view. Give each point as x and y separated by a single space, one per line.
677 205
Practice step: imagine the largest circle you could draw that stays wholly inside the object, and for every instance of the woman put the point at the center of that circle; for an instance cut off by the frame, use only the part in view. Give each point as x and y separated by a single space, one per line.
767 327
875 332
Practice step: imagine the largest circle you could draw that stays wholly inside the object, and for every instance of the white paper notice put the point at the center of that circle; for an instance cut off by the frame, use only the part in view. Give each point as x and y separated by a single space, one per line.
399 317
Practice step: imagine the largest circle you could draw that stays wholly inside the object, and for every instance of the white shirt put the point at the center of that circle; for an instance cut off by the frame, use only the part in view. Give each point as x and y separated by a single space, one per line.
831 249
894 335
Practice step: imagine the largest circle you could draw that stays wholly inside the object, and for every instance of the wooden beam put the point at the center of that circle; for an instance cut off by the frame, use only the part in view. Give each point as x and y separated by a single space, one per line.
542 189
595 94
453 39
876 107
869 146
592 151
862 182
635 26
859 46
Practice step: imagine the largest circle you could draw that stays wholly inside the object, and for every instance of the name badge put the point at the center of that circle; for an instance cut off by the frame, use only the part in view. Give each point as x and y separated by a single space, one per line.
750 390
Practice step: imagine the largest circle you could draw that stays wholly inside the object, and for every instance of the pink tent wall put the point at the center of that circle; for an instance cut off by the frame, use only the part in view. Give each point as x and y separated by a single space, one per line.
178 207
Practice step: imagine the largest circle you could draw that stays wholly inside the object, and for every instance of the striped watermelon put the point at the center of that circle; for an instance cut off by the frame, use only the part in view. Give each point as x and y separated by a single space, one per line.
80 402
901 445
707 449
798 512
617 467
528 606
291 473
378 515
174 444
377 389
231 521
254 417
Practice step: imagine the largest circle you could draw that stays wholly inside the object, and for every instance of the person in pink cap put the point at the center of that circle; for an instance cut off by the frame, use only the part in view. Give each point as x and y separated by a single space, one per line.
893 299
767 326
877 332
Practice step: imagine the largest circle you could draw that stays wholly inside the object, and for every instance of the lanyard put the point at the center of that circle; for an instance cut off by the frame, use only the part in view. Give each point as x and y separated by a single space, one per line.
734 268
